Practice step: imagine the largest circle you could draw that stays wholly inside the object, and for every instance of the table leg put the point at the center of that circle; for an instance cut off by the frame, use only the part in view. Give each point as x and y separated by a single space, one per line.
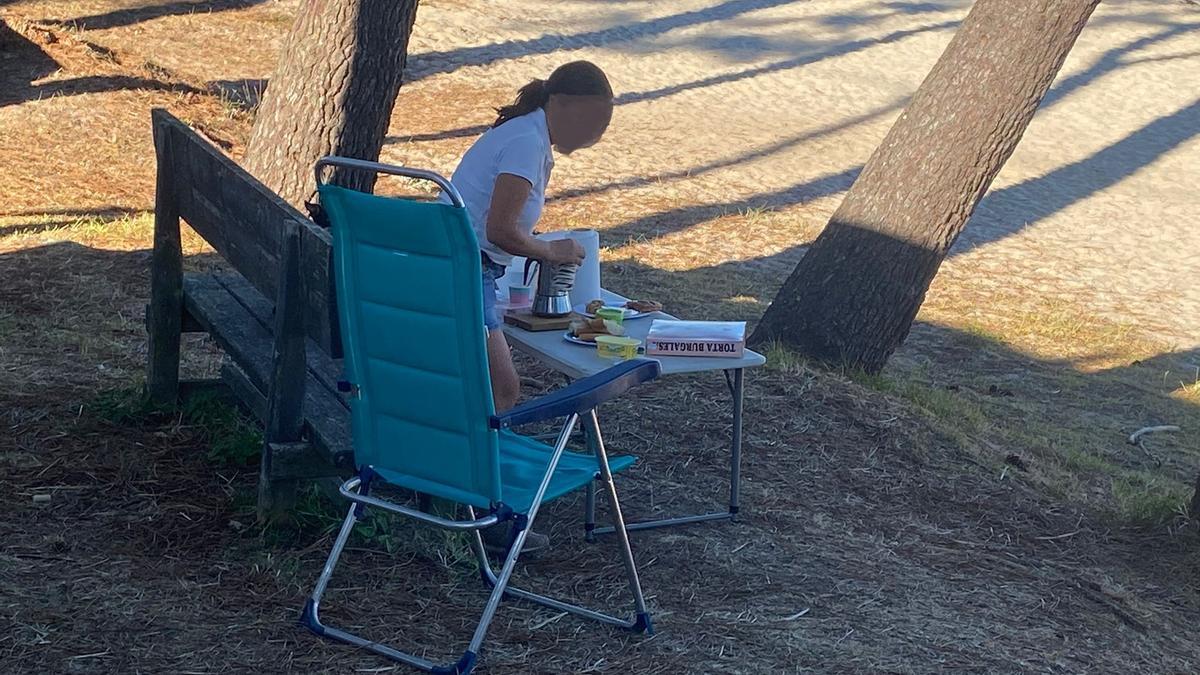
589 491
735 455
736 383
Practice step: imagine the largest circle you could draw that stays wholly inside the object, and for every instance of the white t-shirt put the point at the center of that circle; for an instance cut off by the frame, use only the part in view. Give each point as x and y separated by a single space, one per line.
521 147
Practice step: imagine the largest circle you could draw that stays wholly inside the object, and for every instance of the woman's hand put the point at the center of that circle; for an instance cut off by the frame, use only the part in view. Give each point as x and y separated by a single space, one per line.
565 252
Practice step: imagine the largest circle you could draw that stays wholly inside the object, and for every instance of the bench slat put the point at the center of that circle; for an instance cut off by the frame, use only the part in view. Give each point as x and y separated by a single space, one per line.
250 344
329 434
320 365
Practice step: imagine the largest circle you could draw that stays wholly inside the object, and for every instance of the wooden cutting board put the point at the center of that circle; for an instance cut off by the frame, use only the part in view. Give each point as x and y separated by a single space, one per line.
524 319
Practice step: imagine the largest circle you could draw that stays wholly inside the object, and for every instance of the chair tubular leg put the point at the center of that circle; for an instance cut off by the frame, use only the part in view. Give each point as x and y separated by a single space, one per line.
311 617
498 581
514 551
589 512
641 622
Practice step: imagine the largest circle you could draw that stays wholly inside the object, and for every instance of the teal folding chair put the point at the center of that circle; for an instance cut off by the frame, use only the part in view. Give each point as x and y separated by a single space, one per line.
410 307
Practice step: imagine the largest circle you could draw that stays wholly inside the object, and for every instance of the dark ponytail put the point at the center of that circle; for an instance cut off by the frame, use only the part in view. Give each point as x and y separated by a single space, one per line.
529 98
577 78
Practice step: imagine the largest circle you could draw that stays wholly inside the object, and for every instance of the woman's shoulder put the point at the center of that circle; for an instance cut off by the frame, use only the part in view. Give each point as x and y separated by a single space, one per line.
525 125
518 146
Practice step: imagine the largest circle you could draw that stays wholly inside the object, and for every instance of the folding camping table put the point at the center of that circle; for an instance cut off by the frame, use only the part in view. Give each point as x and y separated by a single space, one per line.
576 361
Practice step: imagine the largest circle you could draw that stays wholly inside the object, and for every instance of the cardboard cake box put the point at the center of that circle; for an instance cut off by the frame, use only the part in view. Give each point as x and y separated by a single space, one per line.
721 339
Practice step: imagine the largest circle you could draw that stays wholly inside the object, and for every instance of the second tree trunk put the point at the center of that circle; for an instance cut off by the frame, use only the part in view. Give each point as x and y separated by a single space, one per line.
854 295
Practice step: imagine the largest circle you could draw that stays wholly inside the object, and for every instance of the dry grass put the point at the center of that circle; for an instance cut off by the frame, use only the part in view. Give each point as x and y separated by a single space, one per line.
976 508
1066 389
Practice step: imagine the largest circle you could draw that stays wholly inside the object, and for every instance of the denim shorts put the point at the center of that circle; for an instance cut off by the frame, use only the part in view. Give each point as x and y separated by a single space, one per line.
491 272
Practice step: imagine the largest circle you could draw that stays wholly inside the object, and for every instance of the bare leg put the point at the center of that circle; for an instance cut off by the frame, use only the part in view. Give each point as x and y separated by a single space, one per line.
506 385
506 391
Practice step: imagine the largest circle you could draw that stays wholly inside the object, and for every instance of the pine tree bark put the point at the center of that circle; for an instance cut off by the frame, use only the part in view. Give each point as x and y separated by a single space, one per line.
853 297
332 93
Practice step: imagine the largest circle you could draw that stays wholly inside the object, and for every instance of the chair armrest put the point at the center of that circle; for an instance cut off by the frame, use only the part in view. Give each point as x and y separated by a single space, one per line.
581 395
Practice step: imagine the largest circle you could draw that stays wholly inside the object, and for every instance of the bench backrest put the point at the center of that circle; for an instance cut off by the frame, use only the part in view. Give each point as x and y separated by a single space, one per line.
244 221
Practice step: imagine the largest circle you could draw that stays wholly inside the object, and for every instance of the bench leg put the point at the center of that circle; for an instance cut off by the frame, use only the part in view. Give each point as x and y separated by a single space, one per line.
164 316
285 400
276 497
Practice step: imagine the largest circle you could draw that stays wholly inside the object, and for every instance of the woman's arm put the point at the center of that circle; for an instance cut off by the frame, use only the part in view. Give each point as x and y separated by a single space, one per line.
508 198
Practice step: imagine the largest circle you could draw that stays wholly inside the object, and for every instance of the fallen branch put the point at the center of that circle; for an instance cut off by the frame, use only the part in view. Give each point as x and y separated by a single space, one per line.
1133 438
1136 439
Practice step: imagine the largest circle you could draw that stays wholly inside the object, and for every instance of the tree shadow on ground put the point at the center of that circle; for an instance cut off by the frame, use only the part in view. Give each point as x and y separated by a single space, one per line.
1115 59
17 84
735 160
885 10
134 15
427 64
53 219
677 220
831 51
24 60
1006 211
1000 214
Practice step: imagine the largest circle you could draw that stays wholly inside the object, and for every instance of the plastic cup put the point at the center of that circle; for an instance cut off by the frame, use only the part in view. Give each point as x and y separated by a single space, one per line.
519 296
611 314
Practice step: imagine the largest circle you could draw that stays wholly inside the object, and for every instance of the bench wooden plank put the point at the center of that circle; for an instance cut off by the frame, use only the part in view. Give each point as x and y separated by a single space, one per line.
325 369
164 314
250 346
245 340
238 216
243 220
327 429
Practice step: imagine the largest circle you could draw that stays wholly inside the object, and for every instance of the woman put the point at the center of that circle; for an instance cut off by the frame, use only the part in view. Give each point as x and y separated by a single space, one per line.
503 179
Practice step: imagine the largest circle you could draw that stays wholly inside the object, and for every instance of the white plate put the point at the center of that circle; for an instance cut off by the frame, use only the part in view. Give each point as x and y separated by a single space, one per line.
629 313
571 338
617 303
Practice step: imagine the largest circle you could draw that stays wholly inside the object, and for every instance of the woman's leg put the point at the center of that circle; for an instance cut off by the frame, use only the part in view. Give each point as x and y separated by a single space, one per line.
506 384
506 390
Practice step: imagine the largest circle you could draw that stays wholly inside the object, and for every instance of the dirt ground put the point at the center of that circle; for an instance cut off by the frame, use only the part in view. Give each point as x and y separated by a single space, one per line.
977 509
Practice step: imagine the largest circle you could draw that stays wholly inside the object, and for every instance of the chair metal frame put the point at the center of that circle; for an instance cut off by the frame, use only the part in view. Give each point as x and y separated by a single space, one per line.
575 402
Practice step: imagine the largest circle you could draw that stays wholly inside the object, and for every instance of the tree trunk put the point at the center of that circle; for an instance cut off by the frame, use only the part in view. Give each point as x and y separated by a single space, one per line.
854 295
332 92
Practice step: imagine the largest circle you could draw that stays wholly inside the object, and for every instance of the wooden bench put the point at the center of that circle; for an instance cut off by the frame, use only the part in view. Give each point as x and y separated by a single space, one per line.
273 314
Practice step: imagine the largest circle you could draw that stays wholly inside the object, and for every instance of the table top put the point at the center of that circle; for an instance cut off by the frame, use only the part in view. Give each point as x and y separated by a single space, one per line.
576 360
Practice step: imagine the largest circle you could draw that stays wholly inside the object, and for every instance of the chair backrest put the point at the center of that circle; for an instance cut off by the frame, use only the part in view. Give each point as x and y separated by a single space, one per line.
411 312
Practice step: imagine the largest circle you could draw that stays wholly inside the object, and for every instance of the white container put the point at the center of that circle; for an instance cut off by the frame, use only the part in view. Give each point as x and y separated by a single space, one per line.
712 339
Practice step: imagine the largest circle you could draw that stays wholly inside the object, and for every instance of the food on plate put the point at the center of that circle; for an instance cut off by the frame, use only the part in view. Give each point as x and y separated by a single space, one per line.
640 306
588 329
643 306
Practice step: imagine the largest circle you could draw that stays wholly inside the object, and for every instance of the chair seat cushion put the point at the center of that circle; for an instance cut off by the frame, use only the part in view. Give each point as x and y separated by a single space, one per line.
523 462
